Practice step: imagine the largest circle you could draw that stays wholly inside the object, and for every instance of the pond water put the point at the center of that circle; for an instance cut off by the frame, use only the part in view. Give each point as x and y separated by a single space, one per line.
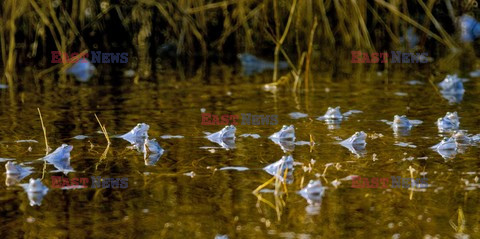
198 189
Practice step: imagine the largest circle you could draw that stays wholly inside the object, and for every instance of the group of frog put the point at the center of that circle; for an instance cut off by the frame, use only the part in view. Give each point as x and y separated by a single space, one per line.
139 139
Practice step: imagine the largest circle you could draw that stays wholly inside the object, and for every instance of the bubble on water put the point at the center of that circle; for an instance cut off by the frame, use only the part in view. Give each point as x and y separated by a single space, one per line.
203 110
391 225
145 210
30 219
336 183
396 236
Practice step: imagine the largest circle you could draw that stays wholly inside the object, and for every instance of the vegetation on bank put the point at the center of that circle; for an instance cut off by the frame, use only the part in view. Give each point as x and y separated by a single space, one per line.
293 30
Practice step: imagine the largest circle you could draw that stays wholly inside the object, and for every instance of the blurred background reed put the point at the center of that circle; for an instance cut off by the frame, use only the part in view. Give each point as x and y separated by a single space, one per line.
303 32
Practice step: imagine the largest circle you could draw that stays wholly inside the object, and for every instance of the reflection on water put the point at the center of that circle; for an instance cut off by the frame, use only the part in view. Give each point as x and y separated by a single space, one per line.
196 189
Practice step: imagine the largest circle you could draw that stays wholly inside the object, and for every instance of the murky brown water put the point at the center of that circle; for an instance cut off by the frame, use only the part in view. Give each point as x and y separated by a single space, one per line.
165 201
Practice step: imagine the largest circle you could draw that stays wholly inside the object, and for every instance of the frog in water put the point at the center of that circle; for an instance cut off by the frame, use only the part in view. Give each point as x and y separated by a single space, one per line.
224 137
335 116
357 139
83 70
138 133
252 64
153 152
60 158
447 148
15 169
313 192
35 190
449 122
356 143
286 133
452 84
62 153
401 125
137 136
278 168
15 173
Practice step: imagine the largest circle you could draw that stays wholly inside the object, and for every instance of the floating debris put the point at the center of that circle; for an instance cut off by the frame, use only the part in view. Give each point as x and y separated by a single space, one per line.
83 70
26 141
129 73
337 183
2 86
35 191
402 144
415 82
448 123
235 168
80 137
171 136
5 159
297 115
190 174
475 73
278 168
255 136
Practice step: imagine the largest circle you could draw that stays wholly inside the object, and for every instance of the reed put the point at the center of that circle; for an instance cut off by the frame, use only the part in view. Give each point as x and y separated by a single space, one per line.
314 28
47 149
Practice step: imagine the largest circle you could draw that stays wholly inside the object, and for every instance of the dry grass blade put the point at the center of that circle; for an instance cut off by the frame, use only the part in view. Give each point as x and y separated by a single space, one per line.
395 11
309 53
439 27
47 149
104 129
